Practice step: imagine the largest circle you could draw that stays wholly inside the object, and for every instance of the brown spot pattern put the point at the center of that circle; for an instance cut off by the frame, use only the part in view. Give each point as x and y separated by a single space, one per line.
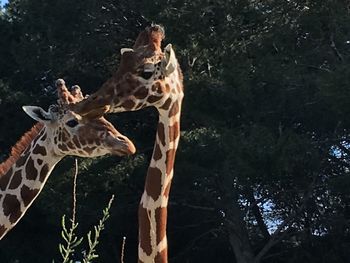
43 172
174 131
39 150
11 207
161 256
170 159
128 104
39 161
60 135
166 104
158 88
16 180
144 230
65 135
157 153
44 137
141 93
88 150
161 217
167 87
70 145
141 104
161 133
4 180
62 147
76 141
31 172
174 109
153 99
153 182
82 141
22 160
28 195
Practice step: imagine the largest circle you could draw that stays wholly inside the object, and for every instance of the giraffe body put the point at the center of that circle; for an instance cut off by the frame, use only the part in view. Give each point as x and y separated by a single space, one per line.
58 133
148 76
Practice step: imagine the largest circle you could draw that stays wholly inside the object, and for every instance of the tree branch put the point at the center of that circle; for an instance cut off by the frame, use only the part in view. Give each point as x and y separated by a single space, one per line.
257 214
197 207
278 235
334 47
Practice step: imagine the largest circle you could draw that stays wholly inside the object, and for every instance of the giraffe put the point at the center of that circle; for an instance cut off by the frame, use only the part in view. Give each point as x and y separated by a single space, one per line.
59 132
147 76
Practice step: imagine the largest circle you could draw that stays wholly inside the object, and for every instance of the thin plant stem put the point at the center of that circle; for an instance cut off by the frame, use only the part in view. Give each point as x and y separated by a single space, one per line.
75 191
122 253
69 236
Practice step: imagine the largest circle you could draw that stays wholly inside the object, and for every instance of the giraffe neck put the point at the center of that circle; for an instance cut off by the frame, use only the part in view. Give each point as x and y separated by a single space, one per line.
154 201
22 183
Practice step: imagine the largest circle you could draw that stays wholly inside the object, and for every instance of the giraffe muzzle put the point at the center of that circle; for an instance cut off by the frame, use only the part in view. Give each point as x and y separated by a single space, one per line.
120 145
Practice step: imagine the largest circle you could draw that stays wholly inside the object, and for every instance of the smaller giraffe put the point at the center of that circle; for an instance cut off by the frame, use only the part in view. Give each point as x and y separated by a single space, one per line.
58 133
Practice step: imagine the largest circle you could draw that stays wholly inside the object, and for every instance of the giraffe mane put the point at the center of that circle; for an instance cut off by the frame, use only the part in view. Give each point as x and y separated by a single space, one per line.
19 147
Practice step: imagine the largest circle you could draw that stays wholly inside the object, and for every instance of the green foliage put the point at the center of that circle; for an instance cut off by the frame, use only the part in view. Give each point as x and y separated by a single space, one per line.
91 253
265 124
72 241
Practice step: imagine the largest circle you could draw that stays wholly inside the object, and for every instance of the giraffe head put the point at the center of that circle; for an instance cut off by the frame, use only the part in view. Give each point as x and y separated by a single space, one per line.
147 76
73 134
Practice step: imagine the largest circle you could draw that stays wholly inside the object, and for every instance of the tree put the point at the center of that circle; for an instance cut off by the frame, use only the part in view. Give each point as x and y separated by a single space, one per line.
262 173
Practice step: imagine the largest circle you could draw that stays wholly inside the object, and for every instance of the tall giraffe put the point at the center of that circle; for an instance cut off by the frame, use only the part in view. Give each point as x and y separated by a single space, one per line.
59 132
148 77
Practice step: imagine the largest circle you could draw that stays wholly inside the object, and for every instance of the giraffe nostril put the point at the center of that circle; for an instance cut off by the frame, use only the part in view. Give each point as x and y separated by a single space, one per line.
121 138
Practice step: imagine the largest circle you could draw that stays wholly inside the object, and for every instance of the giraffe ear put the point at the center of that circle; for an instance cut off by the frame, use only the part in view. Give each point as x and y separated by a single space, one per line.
37 113
122 50
169 62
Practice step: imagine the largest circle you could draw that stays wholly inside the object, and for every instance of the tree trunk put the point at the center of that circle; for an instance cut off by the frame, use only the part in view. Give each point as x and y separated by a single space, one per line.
238 235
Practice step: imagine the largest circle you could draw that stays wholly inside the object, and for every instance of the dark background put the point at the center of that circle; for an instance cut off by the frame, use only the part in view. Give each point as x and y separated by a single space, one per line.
265 126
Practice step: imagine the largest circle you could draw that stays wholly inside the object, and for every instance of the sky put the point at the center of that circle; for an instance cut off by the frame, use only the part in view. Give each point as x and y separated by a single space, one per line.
3 2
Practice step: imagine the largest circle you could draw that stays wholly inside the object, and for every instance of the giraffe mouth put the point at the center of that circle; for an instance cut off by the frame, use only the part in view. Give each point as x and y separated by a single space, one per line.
121 145
122 152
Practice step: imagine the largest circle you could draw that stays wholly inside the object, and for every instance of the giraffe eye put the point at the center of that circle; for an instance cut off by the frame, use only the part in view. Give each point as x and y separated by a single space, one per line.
146 74
72 123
